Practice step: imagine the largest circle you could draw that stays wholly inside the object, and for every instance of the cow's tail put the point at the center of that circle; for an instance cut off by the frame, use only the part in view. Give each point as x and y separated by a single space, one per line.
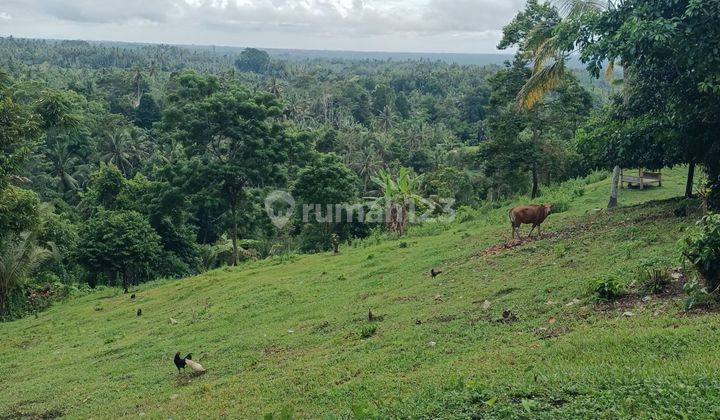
512 217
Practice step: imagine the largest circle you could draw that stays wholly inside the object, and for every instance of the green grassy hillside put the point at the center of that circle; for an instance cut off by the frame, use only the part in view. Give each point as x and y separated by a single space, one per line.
286 336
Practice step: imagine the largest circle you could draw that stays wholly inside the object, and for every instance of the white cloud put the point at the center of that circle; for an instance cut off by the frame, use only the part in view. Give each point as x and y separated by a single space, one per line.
412 25
5 16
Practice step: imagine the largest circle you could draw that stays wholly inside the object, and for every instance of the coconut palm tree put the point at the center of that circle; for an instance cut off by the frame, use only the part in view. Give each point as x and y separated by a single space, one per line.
550 55
67 167
19 258
124 148
275 88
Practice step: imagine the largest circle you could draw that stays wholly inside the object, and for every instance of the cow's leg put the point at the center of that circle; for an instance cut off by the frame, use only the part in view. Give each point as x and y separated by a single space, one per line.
531 231
539 231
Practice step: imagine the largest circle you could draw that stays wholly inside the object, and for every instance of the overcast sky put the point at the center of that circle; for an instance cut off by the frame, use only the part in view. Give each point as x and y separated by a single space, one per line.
466 26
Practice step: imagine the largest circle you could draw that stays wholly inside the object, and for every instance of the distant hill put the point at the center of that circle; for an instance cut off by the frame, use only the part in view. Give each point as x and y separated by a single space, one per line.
299 55
293 54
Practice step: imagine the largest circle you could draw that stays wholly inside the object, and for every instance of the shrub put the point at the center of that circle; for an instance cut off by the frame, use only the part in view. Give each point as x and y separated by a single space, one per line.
609 287
653 276
696 294
367 331
702 249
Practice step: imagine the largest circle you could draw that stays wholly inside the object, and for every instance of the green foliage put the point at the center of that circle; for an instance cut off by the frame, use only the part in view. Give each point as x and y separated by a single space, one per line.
670 79
253 60
105 186
653 276
19 258
609 287
534 142
233 138
367 331
702 249
121 245
19 131
18 210
697 295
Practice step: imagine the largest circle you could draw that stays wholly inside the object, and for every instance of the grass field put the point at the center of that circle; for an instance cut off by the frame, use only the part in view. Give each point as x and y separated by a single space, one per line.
291 336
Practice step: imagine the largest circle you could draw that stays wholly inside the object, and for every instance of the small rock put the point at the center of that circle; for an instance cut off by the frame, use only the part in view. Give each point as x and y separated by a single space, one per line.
432 344
173 321
550 303
573 302
552 320
174 396
291 331
628 314
647 299
486 304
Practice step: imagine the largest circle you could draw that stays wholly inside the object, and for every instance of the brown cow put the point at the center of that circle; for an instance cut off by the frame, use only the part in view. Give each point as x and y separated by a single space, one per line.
529 215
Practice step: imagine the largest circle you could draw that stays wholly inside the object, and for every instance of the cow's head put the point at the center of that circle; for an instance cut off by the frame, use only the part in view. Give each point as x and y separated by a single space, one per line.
548 208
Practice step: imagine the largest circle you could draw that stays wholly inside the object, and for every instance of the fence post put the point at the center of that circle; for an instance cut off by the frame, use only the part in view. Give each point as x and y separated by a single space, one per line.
614 189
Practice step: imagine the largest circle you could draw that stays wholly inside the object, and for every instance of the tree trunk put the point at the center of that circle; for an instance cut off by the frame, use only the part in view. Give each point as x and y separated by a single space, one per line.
3 300
690 180
535 186
614 188
234 237
125 281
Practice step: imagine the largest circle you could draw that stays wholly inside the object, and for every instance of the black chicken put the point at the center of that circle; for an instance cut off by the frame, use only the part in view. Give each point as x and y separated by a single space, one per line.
181 362
434 273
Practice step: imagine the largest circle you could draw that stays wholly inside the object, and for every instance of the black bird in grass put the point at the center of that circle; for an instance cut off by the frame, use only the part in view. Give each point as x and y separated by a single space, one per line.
188 361
132 296
139 312
180 362
434 273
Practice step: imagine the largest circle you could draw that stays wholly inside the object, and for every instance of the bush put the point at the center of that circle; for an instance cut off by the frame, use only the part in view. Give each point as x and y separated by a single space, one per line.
702 249
653 276
368 331
609 287
696 295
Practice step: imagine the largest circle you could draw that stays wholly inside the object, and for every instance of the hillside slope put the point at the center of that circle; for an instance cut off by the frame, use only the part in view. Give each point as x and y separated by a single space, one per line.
286 336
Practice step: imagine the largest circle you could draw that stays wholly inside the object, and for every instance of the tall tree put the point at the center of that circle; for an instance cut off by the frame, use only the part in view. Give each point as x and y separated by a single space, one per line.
253 60
235 140
672 46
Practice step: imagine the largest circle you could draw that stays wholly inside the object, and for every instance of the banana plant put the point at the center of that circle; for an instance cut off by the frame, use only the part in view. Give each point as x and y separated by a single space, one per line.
398 195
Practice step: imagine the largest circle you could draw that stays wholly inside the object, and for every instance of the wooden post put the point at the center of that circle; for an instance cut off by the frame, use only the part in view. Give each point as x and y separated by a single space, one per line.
640 175
614 189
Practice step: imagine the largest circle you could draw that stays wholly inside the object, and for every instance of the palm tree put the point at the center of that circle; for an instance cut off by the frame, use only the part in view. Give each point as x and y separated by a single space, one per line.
123 148
19 258
549 55
366 162
66 167
137 81
385 118
275 88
